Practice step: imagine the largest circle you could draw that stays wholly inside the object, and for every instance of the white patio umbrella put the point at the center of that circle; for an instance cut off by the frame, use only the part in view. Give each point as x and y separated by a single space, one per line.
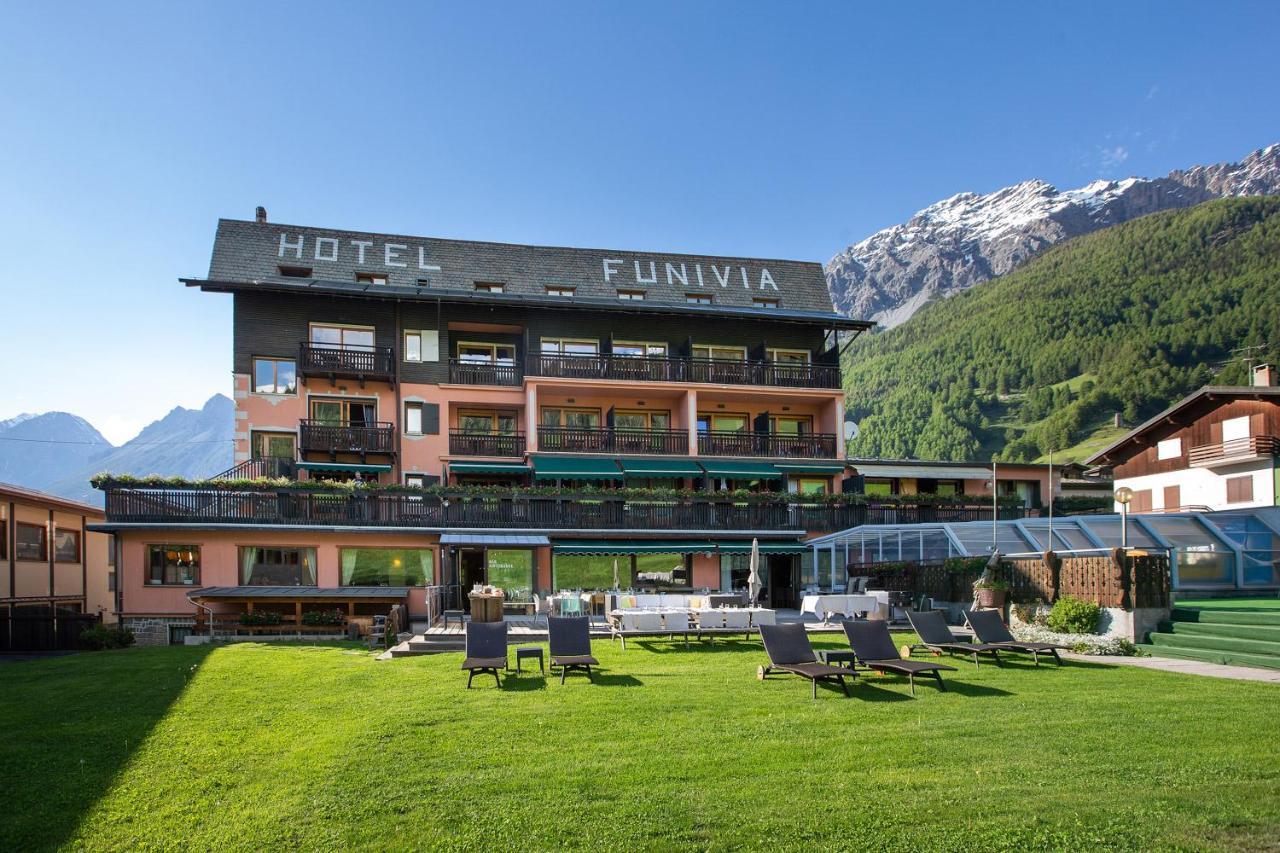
753 578
616 585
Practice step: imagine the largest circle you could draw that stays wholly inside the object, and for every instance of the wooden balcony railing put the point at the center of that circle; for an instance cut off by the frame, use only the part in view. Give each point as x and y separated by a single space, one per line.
668 369
172 505
1235 449
485 444
462 372
327 437
775 445
613 440
360 362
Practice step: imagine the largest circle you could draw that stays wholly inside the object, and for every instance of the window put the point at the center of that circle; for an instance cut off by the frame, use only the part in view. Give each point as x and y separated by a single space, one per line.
486 353
295 272
698 298
880 488
763 302
642 419
372 278
722 422
277 566
556 416
559 290
413 346
111 581
788 356
631 295
949 488
387 566
639 349
1141 501
275 376
1234 429
487 423
422 345
1170 448
413 418
343 412
511 571
1239 490
708 351
790 425
570 346
588 571
809 485
66 545
489 287
173 564
332 336
662 570
273 445
32 542
417 481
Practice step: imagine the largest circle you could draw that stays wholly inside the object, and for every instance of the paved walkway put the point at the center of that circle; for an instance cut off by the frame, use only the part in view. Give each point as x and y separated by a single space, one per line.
1187 667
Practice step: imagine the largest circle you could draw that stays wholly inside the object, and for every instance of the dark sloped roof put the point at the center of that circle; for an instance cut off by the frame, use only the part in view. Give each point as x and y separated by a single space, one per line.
21 493
253 252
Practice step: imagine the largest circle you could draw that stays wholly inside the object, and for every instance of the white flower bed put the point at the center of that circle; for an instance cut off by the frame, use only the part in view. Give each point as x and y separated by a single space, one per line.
1085 644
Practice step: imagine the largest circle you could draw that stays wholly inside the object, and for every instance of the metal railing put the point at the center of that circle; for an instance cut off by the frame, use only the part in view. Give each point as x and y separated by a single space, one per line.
613 440
463 372
1236 448
346 360
462 443
774 445
672 369
327 437
265 467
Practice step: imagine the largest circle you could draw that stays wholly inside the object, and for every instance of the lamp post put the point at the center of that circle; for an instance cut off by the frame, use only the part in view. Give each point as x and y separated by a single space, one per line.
1123 495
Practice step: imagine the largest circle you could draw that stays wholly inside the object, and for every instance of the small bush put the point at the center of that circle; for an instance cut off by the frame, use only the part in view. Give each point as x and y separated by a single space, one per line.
101 637
1073 616
323 617
261 617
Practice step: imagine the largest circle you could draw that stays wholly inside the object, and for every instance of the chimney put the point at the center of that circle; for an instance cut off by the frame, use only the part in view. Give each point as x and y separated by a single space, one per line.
260 215
1264 376
1117 421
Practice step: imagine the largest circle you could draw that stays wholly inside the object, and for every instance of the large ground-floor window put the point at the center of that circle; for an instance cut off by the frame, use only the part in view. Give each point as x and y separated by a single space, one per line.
173 564
641 571
512 571
277 566
387 566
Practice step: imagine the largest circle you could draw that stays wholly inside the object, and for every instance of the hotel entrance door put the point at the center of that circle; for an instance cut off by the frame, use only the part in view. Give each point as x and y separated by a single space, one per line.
470 571
780 589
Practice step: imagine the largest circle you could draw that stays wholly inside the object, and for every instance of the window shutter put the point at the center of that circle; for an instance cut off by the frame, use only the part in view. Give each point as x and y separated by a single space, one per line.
430 345
430 418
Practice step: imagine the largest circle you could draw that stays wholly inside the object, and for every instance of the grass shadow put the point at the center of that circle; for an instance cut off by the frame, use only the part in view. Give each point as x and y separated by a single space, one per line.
617 680
85 732
966 688
871 691
523 682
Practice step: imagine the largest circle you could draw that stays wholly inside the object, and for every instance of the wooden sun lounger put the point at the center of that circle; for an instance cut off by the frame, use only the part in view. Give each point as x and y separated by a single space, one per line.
874 647
789 650
938 638
990 629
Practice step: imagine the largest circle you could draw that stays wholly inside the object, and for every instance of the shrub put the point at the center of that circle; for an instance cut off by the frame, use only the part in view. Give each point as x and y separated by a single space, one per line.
260 617
323 617
1073 616
101 637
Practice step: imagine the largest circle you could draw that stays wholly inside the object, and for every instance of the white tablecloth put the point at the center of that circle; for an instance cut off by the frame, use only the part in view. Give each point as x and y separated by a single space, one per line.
845 605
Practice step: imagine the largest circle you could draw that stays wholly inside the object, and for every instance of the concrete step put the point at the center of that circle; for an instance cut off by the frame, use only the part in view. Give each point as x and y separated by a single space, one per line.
1267 633
1211 656
1216 643
1226 617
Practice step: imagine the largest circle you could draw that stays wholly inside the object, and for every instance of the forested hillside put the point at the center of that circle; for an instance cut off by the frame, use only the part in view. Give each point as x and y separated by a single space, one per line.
1125 320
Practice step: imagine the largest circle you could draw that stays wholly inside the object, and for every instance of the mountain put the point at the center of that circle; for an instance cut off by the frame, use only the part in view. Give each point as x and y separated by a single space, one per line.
1125 320
969 238
38 450
58 452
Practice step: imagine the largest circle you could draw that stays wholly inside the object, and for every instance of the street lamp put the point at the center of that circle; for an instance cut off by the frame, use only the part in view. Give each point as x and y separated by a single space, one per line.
1123 495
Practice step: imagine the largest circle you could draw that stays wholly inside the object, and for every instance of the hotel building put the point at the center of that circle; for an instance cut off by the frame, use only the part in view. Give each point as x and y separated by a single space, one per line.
499 405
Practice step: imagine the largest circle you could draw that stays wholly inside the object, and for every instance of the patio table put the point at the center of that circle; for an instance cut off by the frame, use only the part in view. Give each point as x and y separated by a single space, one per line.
845 605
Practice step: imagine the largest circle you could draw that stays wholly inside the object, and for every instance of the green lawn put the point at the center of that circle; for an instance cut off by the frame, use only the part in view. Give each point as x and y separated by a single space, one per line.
271 746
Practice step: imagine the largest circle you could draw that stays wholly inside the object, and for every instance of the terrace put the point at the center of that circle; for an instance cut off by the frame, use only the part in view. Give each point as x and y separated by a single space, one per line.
347 361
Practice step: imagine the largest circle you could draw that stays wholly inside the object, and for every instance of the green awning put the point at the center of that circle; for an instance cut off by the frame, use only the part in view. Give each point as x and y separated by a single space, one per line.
488 468
765 547
344 466
575 468
739 470
811 467
633 546
660 468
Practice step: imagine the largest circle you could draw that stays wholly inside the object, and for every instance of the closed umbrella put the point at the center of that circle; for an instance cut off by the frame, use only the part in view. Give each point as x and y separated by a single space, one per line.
616 585
753 578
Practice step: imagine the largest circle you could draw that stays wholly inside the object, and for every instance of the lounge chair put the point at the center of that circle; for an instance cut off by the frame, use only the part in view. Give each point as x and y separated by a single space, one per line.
874 647
990 629
486 650
937 637
570 638
789 650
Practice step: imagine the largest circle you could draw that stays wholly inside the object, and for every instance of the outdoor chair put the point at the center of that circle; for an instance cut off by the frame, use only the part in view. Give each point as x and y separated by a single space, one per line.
937 637
764 617
570 639
990 629
709 620
789 650
486 650
542 606
874 647
676 621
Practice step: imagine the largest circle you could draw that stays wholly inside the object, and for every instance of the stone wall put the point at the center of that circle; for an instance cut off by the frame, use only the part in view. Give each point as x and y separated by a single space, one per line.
154 630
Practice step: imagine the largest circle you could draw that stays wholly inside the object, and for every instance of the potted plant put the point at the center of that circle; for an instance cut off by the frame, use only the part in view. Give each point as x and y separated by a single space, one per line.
990 592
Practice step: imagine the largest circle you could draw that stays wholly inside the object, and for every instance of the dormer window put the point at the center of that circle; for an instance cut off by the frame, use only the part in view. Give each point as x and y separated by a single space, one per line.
697 298
559 290
377 278
489 287
764 302
295 272
631 295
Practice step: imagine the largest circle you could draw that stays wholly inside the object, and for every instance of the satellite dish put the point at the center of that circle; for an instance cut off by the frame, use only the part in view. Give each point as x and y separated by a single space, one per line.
851 430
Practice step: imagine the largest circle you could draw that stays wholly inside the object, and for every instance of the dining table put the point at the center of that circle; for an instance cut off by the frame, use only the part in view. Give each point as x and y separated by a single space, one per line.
844 605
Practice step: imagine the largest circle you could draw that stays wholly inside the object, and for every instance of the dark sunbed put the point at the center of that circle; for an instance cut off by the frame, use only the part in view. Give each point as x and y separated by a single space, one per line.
936 636
486 650
570 638
789 650
874 647
990 629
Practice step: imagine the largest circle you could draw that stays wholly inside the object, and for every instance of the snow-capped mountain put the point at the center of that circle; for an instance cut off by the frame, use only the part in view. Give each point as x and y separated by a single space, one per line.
968 238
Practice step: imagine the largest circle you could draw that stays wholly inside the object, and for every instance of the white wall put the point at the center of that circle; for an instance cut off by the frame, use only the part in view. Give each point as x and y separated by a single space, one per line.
1207 487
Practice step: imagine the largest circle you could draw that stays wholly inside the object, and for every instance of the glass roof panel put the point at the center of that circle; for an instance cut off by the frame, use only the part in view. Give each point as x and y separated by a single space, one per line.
1183 532
1107 528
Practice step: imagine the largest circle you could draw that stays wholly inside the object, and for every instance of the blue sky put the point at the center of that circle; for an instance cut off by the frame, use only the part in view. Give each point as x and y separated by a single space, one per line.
787 130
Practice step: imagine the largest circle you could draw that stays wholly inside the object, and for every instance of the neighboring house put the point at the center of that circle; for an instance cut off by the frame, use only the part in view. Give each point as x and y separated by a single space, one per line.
1214 449
1029 482
424 362
49 556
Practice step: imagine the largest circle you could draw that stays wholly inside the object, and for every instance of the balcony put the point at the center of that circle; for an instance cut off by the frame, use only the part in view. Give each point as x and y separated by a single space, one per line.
1234 451
771 445
464 372
334 438
486 444
606 440
354 362
668 369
